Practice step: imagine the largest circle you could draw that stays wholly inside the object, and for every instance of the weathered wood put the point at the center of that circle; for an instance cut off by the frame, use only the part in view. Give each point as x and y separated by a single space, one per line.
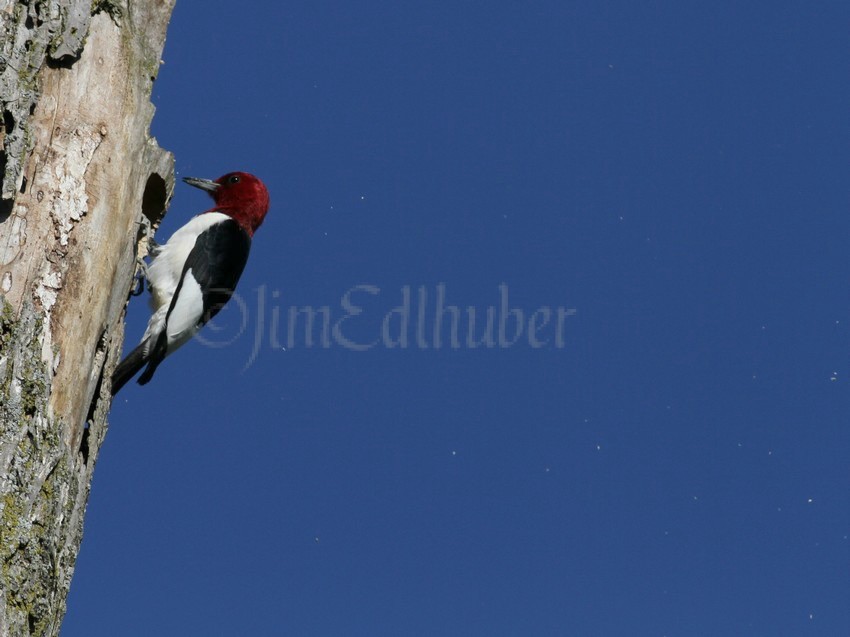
82 181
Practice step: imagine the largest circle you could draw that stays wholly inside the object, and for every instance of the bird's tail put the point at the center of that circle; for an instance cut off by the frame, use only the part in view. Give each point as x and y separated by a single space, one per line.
130 366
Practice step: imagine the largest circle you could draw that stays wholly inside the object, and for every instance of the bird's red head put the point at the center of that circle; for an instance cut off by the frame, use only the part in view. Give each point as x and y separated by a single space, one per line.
240 195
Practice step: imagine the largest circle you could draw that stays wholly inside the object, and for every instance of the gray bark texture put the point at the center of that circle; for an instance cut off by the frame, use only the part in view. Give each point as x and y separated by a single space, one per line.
82 184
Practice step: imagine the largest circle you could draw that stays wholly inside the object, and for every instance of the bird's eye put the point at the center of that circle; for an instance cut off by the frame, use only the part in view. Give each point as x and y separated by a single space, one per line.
233 179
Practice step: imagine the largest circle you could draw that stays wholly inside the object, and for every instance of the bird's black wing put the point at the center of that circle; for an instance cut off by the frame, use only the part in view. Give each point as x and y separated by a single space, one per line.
216 262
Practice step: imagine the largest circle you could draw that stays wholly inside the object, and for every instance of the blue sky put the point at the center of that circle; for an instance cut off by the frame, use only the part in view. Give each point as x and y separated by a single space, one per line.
675 175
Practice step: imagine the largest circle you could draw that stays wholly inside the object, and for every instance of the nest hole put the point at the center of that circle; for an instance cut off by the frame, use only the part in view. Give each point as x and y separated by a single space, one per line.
154 199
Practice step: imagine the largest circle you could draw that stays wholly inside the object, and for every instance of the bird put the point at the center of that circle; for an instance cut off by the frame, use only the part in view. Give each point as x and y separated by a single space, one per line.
193 275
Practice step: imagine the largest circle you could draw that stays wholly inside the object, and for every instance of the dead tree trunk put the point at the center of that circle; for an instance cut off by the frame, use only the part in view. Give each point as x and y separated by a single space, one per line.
81 177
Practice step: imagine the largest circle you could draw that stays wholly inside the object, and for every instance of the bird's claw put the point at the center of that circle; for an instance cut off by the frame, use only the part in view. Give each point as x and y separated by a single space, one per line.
153 247
138 285
140 278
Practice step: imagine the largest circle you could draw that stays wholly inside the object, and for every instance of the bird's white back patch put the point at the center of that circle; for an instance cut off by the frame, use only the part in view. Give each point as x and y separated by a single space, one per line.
183 320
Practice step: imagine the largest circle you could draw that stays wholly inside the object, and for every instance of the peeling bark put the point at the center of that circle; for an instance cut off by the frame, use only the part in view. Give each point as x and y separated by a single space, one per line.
82 183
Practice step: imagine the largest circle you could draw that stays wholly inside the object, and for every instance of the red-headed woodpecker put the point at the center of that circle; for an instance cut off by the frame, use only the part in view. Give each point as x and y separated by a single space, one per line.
193 275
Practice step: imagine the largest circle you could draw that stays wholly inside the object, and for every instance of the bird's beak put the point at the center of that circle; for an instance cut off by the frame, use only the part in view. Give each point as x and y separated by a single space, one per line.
203 184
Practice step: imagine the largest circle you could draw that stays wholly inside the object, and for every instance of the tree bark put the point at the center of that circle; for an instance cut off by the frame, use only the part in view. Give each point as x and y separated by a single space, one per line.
83 182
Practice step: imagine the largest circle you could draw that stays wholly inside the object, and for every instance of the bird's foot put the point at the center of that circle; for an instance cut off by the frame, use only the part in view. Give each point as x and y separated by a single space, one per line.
140 278
153 247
